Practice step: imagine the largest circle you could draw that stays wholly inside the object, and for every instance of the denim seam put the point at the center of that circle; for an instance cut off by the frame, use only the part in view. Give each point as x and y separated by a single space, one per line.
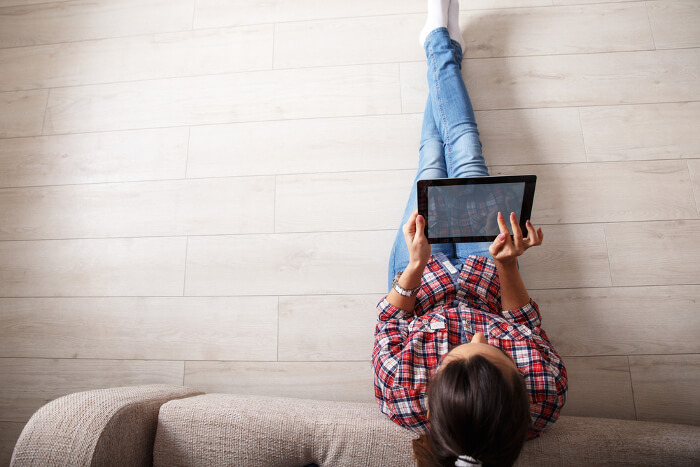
441 110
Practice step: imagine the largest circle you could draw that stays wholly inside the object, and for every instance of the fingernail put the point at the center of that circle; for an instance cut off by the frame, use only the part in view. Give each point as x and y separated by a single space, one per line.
501 237
528 222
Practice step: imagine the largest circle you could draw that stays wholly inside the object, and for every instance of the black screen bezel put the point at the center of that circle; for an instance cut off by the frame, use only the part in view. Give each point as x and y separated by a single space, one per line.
525 211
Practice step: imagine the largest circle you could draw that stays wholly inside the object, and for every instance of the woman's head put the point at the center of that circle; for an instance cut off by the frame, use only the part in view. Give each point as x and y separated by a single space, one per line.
478 406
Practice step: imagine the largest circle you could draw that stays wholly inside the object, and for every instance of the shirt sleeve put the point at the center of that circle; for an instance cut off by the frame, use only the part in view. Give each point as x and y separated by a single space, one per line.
401 404
549 386
529 315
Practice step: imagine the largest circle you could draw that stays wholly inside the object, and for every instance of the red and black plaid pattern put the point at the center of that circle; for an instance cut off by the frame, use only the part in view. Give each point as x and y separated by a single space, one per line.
408 348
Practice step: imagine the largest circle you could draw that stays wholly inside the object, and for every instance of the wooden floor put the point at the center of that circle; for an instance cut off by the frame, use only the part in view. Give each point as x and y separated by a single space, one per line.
205 192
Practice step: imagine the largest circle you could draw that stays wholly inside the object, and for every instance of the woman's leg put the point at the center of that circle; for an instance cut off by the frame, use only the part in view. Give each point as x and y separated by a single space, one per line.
431 164
454 118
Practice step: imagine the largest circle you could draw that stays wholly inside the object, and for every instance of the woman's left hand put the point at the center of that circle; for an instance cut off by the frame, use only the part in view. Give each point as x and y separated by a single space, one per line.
506 250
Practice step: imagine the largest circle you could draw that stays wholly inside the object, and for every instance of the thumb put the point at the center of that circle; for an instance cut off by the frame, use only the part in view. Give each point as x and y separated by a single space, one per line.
497 244
420 226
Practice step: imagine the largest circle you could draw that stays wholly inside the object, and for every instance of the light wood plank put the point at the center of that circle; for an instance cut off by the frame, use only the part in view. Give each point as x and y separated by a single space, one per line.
599 387
5 3
253 96
568 80
161 208
9 434
94 157
651 190
53 22
531 136
489 33
338 381
675 23
137 58
22 113
219 13
106 267
211 328
27 384
694 168
387 142
654 253
345 201
291 264
378 39
578 2
587 322
343 327
614 191
666 387
570 256
644 131
556 30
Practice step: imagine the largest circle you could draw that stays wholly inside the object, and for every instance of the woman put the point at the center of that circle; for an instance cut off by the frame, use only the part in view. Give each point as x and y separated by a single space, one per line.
459 356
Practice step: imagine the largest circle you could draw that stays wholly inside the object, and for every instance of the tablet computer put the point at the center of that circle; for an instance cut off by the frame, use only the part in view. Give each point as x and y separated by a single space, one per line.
461 210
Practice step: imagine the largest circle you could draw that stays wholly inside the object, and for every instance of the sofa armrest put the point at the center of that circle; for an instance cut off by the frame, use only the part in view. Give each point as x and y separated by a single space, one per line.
113 426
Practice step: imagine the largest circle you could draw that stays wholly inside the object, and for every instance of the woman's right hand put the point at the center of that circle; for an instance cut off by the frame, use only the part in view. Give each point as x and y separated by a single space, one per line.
505 250
416 241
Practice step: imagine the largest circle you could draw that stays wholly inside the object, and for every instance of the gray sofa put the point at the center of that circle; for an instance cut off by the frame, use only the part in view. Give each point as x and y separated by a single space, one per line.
175 426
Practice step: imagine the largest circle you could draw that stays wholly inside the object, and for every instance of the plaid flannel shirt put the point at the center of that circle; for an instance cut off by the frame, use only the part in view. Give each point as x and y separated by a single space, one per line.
450 309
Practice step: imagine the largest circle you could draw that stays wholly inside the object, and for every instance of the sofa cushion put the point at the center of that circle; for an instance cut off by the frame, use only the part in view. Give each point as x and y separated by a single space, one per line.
585 441
228 429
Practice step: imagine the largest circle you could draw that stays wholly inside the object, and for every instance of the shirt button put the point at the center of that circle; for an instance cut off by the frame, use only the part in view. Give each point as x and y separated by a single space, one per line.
425 321
510 328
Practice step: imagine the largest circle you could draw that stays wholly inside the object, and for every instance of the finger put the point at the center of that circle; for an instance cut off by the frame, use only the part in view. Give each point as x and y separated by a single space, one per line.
532 238
420 228
540 234
517 233
502 223
498 244
410 226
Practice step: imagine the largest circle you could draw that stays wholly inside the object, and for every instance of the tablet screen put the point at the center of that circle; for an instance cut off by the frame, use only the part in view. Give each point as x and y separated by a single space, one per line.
466 210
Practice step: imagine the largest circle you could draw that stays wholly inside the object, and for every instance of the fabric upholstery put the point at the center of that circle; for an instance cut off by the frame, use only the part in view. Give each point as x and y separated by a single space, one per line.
117 426
584 441
227 429
103 427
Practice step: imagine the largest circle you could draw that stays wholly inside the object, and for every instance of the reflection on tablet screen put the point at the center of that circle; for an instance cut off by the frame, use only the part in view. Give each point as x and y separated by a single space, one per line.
472 210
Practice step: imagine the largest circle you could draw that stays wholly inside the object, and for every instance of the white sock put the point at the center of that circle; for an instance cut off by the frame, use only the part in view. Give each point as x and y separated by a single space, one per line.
437 18
453 23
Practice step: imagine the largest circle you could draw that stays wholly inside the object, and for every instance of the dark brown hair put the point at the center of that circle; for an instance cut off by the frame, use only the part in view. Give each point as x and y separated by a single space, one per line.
476 409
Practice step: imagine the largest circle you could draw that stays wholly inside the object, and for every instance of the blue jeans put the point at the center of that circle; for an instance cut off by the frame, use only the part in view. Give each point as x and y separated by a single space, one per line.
449 147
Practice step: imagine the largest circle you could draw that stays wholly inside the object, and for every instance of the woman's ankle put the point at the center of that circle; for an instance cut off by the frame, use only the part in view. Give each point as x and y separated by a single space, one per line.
453 24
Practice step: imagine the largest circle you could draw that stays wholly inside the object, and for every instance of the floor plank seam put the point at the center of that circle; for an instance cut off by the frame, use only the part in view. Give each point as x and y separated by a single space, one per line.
692 185
184 279
651 28
583 135
345 65
46 112
607 249
314 232
339 18
634 400
194 14
389 114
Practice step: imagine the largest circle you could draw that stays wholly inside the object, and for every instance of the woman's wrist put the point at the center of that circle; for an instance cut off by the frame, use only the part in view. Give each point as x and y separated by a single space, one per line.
411 276
506 265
